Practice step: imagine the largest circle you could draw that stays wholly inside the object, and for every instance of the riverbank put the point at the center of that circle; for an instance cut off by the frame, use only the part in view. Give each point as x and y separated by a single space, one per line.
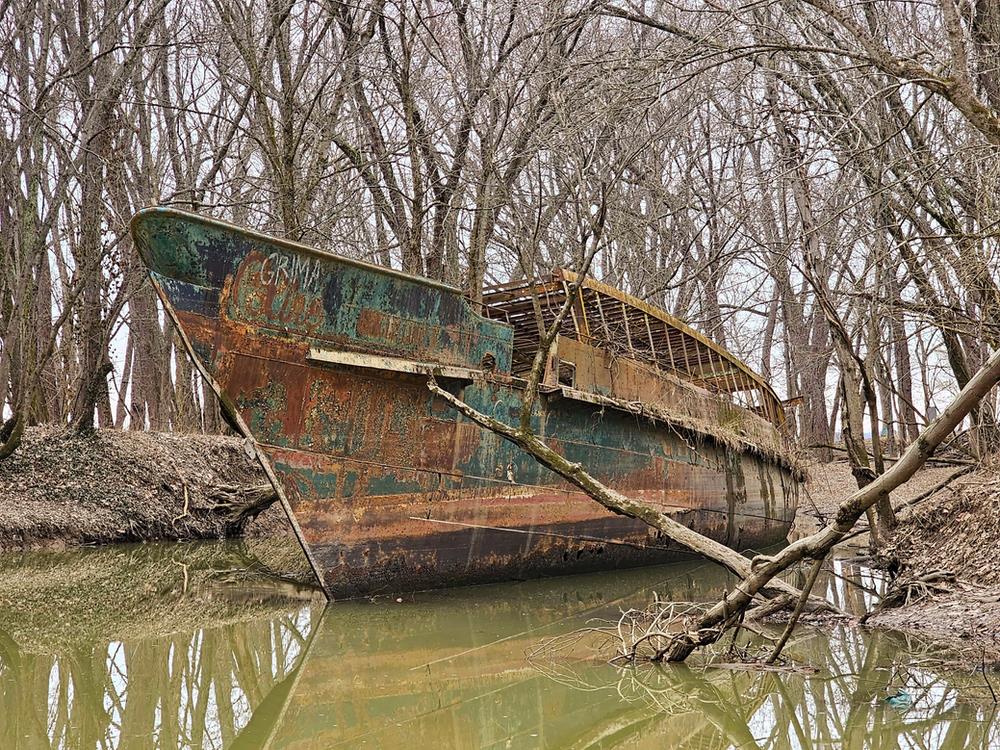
828 485
946 553
943 560
64 489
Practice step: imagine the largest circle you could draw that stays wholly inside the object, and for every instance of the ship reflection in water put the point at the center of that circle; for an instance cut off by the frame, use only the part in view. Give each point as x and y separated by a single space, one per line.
177 646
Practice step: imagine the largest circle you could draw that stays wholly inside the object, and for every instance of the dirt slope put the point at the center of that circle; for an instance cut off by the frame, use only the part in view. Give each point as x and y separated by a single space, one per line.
948 556
63 488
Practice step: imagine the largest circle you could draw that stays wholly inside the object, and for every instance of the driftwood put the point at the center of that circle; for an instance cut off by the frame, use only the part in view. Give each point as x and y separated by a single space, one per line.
238 505
901 593
241 504
799 606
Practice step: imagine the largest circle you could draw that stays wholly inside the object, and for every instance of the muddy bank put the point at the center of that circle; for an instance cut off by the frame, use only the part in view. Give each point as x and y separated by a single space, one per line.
60 488
945 559
942 562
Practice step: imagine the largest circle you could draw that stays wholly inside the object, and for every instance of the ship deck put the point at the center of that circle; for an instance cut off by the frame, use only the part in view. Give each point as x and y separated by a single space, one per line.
624 326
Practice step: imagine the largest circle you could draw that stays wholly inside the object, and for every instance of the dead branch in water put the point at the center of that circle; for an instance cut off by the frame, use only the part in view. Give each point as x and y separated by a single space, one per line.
813 575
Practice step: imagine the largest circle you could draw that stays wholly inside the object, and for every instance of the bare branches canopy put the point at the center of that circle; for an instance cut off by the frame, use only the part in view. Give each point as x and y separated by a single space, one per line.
812 184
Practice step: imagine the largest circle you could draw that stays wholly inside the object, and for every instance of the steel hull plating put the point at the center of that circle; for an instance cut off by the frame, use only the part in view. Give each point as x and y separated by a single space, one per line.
390 488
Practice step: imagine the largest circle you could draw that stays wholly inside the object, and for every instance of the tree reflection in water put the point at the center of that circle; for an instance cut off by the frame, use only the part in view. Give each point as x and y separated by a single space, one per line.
176 649
182 658
843 705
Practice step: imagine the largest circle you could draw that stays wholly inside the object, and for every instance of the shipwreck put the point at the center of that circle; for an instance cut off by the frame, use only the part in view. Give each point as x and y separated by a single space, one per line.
324 362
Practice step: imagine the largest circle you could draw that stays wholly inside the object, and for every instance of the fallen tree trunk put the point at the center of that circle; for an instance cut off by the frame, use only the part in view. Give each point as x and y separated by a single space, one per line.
241 505
759 574
616 501
764 568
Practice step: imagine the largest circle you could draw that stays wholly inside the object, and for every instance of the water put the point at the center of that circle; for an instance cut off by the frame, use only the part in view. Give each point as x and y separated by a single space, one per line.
199 646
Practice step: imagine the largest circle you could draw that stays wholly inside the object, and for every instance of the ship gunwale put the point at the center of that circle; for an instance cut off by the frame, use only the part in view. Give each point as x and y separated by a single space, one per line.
163 211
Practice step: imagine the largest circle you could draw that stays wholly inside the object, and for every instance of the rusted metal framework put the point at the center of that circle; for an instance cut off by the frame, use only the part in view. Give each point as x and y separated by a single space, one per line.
609 319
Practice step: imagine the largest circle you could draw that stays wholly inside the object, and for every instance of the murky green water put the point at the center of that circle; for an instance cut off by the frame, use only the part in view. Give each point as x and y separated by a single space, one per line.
197 646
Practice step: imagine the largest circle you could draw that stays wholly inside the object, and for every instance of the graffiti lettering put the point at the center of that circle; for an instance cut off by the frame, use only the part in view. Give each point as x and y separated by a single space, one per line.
302 271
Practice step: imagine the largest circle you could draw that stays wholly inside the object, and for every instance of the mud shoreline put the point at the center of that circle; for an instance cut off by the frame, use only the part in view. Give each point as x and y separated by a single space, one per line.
942 561
63 489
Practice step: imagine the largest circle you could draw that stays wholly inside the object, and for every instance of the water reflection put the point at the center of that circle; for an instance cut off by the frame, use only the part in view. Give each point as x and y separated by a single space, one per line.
146 647
176 647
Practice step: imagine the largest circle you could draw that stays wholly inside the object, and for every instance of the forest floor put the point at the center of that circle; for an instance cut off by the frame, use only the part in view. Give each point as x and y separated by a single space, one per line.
60 489
944 557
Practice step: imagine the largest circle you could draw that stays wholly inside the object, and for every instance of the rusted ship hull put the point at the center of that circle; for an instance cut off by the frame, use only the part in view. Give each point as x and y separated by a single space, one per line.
391 490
